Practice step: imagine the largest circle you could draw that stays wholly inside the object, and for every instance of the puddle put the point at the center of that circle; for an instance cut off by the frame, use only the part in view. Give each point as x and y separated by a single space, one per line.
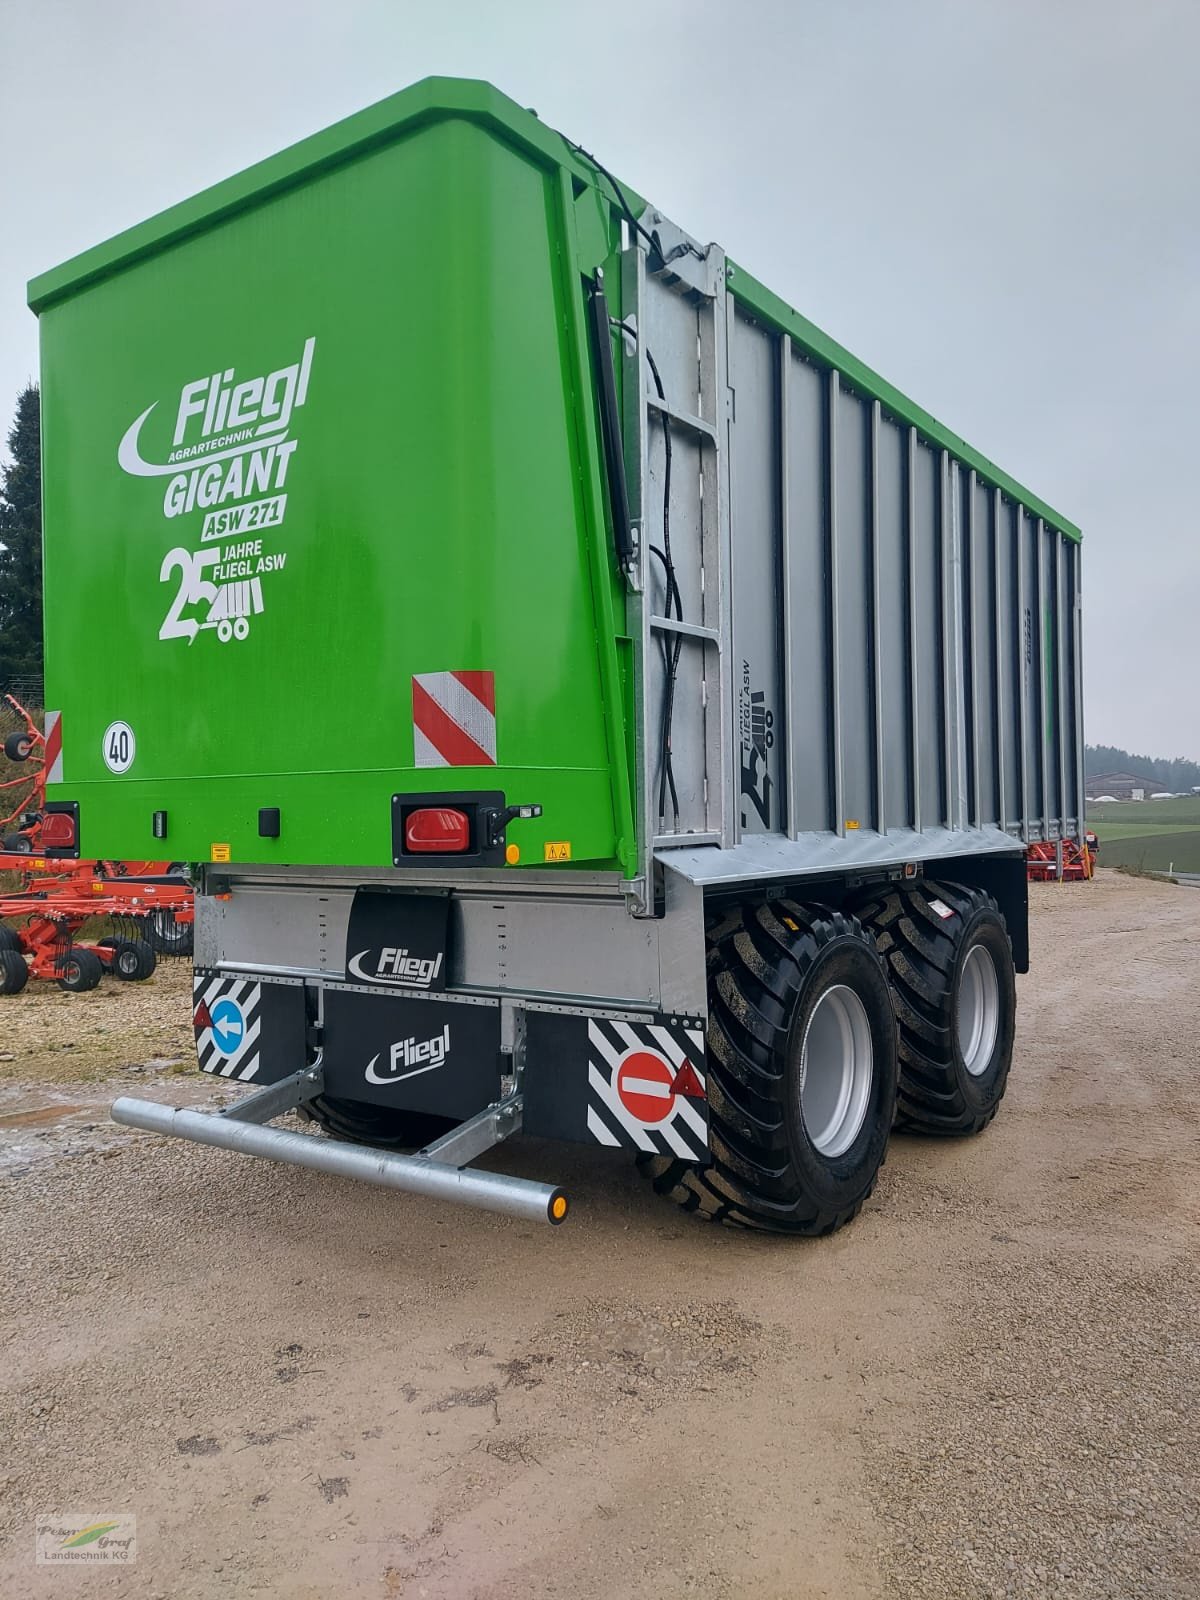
38 1125
25 1119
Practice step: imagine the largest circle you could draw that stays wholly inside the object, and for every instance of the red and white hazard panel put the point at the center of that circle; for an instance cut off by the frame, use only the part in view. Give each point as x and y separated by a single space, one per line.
646 1087
53 757
454 719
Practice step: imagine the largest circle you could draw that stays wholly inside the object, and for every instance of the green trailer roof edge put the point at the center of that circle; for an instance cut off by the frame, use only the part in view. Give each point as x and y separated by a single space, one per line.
759 300
430 100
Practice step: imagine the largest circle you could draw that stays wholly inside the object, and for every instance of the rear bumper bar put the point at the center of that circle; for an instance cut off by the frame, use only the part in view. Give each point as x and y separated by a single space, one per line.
430 1172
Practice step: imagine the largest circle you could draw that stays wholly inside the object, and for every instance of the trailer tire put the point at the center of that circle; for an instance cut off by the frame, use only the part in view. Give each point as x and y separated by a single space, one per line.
18 747
133 960
18 844
385 1127
14 974
81 970
954 989
167 936
8 938
801 1064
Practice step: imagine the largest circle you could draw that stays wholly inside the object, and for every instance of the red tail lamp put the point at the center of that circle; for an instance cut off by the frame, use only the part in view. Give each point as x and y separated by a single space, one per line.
437 830
58 831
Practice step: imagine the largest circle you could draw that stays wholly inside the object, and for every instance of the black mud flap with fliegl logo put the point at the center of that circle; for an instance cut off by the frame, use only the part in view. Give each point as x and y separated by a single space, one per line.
398 941
634 1085
437 1056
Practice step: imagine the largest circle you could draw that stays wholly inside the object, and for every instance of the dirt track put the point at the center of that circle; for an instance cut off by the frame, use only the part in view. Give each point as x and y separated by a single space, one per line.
985 1387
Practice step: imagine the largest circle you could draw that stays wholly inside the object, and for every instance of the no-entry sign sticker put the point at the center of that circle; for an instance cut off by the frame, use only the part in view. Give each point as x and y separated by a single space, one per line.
645 1084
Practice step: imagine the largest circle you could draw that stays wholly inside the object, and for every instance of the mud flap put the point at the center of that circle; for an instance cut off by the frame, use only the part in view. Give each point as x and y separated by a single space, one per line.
247 1030
439 1056
631 1085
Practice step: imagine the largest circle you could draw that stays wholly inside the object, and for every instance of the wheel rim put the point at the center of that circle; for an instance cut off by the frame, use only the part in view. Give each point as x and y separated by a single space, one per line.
837 1067
978 1010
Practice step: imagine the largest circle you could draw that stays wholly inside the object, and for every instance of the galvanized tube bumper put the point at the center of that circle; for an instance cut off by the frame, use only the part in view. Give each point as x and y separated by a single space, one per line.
491 1191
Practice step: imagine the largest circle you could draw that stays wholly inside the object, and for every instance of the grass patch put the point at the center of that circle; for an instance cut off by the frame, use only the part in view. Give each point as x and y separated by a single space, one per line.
1154 852
1149 835
1150 815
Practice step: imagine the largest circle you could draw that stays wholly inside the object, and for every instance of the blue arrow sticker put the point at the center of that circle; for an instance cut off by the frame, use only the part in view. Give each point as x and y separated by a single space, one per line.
228 1026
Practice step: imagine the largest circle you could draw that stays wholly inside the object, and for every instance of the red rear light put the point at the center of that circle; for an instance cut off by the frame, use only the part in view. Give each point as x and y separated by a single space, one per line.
437 830
58 831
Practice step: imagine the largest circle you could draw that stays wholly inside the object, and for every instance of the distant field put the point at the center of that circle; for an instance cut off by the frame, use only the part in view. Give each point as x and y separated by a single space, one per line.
1153 834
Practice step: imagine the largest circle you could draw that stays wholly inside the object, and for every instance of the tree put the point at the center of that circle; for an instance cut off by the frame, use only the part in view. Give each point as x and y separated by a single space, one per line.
1174 773
21 545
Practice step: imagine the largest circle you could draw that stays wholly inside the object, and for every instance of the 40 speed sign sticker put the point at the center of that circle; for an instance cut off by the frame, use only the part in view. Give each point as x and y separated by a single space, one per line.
119 747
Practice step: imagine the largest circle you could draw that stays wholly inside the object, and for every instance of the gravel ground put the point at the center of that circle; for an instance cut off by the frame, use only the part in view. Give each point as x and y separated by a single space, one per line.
50 1037
985 1387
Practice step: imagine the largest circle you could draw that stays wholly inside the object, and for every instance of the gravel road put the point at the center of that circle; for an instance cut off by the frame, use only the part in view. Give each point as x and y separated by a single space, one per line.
986 1387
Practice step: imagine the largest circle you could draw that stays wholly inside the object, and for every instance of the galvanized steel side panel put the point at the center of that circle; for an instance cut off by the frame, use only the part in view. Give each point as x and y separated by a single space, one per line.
808 738
926 535
853 613
757 563
906 636
891 600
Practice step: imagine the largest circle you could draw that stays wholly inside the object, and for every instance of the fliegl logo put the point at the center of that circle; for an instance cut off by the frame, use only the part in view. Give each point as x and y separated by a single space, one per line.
396 966
410 1057
230 455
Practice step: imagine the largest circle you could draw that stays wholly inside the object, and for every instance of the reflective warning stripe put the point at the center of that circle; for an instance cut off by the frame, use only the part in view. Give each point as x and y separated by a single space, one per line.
612 1104
243 1061
454 719
53 755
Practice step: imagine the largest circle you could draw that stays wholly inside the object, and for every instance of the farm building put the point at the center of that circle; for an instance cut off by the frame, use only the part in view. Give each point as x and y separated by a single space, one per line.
1120 786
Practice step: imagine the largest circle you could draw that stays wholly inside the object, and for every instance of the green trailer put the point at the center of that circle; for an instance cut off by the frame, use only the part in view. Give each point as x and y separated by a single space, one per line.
596 703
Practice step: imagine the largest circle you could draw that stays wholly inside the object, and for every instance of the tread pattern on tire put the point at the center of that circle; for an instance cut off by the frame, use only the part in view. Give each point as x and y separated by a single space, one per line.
89 969
14 973
919 949
757 964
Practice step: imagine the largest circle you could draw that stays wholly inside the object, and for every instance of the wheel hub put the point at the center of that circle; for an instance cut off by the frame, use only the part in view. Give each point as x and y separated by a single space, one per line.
837 1067
978 1010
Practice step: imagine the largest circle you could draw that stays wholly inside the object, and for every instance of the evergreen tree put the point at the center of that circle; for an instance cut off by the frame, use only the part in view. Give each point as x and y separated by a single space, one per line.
21 545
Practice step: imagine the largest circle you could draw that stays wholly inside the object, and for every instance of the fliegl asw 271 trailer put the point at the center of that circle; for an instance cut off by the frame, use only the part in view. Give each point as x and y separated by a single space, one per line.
602 706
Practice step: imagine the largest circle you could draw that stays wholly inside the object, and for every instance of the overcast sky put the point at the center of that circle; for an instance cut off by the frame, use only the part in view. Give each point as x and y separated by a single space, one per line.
995 203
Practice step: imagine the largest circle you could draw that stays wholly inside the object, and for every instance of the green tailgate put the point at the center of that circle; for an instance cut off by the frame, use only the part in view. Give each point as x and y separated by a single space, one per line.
329 431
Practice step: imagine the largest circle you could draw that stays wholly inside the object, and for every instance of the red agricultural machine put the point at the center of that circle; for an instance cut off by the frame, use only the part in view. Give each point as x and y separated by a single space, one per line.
1062 860
147 905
